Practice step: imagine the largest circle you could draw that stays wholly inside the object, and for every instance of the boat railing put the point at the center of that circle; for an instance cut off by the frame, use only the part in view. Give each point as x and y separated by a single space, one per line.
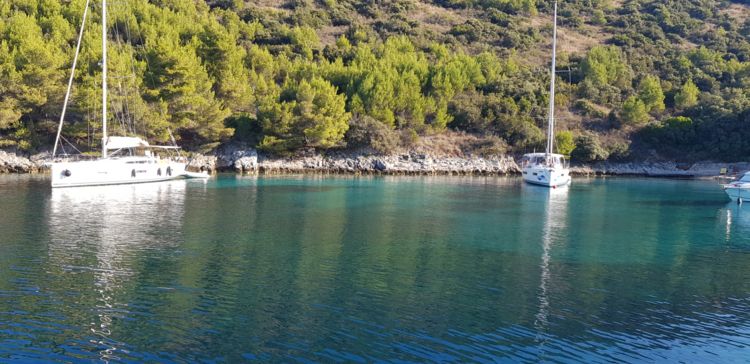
84 157
73 158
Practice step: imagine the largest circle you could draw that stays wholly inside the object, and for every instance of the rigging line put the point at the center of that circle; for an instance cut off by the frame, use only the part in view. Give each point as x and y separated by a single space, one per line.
129 36
116 109
63 150
71 145
127 115
150 77
70 80
123 38
125 90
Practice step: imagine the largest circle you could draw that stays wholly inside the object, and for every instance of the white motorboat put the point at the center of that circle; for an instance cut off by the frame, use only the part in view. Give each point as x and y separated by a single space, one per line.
548 169
124 159
739 190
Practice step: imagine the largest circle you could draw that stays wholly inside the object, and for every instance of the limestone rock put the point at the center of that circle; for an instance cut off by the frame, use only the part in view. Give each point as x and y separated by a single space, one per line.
379 165
201 162
12 163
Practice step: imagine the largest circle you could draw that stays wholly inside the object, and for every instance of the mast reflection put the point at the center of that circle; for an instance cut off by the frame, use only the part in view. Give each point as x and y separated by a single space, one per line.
736 221
555 224
111 224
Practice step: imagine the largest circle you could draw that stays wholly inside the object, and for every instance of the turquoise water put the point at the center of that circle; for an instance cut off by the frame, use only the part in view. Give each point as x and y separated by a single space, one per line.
314 269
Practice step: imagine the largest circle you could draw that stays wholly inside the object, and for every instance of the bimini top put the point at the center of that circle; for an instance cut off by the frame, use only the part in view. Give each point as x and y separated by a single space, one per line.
542 154
121 142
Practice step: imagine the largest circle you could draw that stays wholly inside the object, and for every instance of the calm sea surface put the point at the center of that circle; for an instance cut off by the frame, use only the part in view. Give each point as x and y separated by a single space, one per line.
315 269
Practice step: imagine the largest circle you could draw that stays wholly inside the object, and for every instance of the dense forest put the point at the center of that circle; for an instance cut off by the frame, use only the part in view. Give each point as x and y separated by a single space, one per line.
636 78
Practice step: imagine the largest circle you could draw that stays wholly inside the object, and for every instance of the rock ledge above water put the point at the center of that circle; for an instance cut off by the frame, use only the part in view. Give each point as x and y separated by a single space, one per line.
236 158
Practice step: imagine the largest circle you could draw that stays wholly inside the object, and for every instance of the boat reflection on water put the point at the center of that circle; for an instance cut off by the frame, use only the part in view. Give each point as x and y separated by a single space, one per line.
114 224
736 221
553 232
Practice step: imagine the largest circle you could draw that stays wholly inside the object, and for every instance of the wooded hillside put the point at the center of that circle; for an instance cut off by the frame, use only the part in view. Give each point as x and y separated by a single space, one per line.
636 78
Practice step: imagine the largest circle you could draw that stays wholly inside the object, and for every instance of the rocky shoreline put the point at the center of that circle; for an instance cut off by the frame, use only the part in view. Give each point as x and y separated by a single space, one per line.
248 160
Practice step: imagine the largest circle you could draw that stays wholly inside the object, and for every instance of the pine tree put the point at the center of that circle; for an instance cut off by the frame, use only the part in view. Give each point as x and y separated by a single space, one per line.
687 96
322 113
634 111
650 92
314 116
181 81
564 143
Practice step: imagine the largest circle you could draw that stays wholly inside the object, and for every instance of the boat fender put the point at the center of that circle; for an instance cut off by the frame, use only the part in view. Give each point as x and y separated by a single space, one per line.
158 172
169 171
66 173
132 173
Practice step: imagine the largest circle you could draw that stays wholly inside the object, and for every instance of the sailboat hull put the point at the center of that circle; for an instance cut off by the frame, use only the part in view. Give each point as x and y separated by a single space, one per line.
546 176
116 171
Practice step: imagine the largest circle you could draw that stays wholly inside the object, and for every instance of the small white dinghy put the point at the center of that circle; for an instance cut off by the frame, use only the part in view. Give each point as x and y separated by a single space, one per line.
739 190
202 174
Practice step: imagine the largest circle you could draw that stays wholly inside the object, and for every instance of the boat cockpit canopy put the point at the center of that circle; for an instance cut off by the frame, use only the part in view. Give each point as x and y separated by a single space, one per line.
120 142
133 146
543 159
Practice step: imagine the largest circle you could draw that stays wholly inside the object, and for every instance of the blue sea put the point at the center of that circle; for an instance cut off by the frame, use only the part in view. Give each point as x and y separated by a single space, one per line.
374 269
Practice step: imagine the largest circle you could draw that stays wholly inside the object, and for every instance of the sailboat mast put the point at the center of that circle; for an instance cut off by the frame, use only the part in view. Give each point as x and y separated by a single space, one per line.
551 121
104 78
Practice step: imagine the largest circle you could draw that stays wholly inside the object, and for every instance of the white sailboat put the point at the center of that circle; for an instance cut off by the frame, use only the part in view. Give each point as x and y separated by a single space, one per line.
739 190
124 159
548 169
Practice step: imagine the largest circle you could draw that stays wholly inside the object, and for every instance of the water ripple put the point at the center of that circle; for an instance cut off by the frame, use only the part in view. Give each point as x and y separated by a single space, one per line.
373 270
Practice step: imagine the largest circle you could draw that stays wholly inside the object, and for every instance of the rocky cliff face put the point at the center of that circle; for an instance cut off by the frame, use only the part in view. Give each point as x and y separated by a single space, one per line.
247 160
663 169
236 158
12 163
406 164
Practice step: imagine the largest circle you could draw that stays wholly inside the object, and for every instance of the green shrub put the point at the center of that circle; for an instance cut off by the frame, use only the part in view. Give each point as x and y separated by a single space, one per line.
618 151
489 146
564 143
588 149
366 132
588 108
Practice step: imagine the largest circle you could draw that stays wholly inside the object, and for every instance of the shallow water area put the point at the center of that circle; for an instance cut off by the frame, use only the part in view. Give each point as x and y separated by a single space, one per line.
360 269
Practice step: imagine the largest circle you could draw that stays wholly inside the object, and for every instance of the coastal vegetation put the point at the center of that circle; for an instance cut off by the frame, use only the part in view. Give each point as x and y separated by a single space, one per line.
637 78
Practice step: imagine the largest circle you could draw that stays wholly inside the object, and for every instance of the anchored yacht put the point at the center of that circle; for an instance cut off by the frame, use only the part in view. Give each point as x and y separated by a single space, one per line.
124 159
548 169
